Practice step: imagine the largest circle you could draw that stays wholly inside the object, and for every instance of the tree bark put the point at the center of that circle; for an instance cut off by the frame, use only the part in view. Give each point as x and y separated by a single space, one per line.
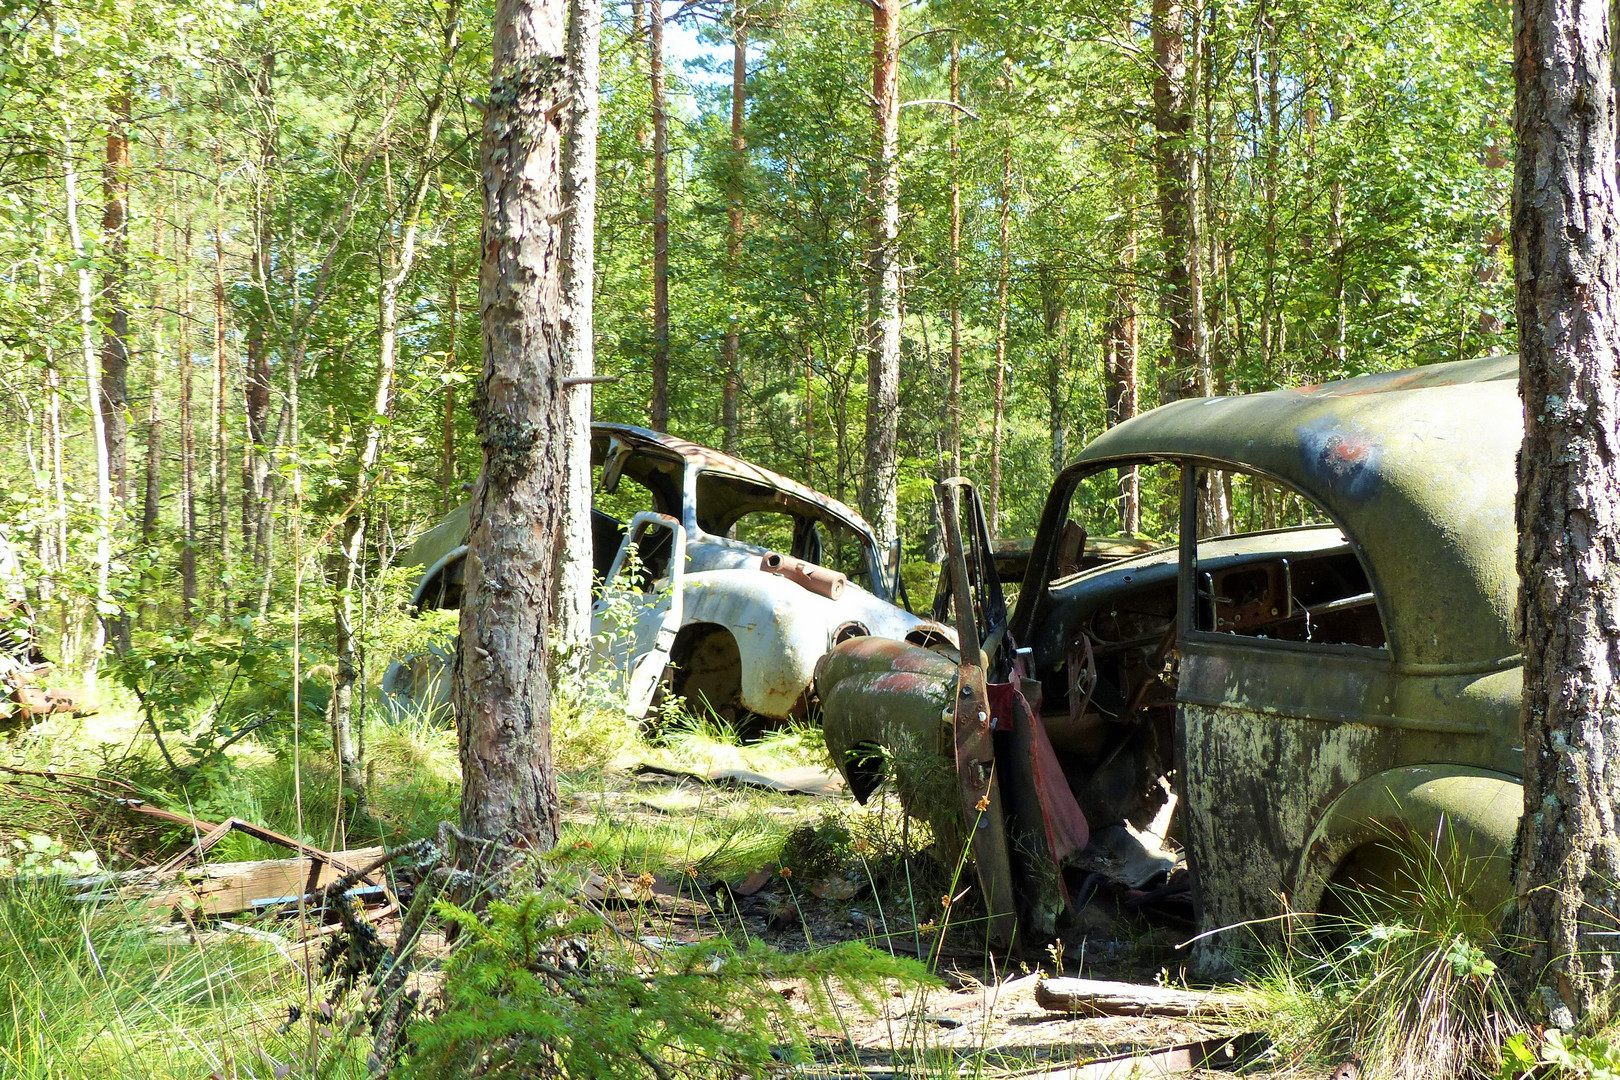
115 305
98 436
188 438
998 421
1176 167
502 688
256 471
953 392
734 227
660 118
114 403
1566 242
880 499
575 556
219 413
447 429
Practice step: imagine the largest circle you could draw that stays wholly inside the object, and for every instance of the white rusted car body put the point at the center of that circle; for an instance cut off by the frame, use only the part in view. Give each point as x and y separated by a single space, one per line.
704 620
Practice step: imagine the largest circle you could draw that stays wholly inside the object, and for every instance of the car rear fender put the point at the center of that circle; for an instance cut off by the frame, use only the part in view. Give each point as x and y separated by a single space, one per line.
1469 816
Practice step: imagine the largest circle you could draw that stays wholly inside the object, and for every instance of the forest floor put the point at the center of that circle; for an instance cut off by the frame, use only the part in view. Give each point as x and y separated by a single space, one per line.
670 853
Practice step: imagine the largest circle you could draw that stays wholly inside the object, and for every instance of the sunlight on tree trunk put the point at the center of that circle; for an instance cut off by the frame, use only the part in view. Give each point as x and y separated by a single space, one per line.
575 556
880 489
660 215
1566 245
502 688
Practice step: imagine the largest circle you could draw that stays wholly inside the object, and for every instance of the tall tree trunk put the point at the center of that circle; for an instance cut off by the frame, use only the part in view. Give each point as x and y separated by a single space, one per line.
880 498
1566 245
188 438
351 526
953 393
218 410
1176 166
1121 396
1056 322
660 118
575 562
152 490
998 422
256 465
115 321
502 687
98 435
115 305
447 428
734 226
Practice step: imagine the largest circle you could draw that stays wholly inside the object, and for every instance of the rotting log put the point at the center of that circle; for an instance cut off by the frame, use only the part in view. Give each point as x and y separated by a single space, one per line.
1096 997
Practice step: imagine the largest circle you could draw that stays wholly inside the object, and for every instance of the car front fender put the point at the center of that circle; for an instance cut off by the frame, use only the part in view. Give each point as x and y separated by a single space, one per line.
1468 815
782 629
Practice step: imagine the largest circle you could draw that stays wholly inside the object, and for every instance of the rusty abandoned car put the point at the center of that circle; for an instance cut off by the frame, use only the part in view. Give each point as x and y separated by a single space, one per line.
731 581
1312 655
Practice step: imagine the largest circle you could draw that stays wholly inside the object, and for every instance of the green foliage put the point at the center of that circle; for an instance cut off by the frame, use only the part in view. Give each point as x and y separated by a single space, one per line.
1404 981
1586 1057
539 987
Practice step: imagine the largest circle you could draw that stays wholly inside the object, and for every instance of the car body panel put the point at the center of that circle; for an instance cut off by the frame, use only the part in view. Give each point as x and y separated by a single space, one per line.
768 631
1282 752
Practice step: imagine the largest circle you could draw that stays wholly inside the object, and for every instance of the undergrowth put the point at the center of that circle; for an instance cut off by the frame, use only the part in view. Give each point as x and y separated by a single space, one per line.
1404 982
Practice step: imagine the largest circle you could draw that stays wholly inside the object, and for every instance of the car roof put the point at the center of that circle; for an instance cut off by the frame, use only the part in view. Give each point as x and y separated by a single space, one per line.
705 458
451 531
1418 468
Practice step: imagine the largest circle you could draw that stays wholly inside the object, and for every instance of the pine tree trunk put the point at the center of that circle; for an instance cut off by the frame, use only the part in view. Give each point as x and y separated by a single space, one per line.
880 499
115 323
1566 243
998 421
575 557
188 439
447 424
734 228
218 411
256 470
502 688
660 118
1176 166
953 393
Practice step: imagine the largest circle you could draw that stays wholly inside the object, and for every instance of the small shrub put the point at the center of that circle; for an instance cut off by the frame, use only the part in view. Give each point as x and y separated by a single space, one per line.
541 988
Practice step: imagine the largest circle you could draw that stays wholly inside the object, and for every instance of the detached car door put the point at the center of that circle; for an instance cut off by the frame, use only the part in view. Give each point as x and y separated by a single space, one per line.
1285 685
638 613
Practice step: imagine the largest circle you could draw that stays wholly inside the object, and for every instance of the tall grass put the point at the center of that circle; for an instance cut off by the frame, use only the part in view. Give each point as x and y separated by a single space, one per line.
96 990
1404 981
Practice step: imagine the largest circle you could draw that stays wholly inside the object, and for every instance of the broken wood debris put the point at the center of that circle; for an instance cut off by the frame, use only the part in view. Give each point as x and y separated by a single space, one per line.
1096 997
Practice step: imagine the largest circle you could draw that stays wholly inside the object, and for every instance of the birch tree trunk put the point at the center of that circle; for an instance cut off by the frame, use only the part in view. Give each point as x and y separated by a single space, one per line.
734 227
575 558
502 689
98 436
1566 244
256 471
660 211
880 500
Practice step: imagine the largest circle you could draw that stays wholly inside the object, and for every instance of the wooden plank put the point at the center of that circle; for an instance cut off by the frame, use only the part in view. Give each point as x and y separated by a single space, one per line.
1096 997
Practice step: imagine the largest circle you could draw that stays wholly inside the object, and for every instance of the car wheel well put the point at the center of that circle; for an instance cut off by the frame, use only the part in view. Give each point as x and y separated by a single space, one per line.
708 668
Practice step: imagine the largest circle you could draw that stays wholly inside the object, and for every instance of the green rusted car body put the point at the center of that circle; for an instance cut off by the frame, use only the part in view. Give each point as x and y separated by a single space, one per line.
1303 695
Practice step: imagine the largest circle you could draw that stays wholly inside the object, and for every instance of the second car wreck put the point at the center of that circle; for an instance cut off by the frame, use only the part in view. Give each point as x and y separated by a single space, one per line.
719 582
1311 658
